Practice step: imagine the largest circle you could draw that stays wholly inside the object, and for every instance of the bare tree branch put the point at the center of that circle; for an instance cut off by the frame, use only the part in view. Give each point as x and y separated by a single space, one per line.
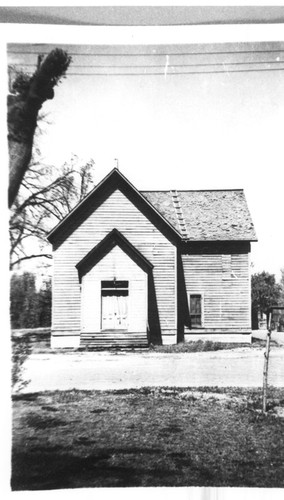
45 197
48 256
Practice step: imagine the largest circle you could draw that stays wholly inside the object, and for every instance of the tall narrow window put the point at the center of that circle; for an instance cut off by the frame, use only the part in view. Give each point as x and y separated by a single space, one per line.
195 308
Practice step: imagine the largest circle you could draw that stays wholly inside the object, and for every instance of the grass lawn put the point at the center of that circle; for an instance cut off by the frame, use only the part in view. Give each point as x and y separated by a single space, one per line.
147 437
37 341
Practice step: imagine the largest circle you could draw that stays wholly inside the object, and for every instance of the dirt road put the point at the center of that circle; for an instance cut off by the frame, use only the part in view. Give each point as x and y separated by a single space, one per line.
104 370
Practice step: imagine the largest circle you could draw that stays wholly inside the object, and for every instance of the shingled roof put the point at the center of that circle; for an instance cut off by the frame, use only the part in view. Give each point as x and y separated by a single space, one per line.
219 215
206 215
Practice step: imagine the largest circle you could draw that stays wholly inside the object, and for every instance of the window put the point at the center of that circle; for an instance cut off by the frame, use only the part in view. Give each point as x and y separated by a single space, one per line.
195 309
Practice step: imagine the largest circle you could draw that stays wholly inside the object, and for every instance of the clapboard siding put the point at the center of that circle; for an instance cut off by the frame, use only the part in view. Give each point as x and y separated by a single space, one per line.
117 211
226 300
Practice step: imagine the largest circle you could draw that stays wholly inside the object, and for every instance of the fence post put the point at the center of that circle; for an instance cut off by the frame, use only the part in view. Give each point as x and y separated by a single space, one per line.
265 368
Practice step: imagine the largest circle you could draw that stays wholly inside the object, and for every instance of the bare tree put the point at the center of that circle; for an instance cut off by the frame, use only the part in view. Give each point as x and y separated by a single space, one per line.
45 197
28 93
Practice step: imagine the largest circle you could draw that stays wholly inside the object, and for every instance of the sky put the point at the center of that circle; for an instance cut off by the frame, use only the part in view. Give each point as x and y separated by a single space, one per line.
219 129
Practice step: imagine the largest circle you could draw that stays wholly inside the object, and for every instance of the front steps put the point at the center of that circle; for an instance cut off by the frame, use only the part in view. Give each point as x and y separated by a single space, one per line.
114 339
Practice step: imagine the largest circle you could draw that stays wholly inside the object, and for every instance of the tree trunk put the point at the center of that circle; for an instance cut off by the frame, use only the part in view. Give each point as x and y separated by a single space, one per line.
20 154
23 107
22 122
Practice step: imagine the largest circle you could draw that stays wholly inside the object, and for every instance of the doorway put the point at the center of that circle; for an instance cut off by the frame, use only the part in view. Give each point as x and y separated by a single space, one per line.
114 305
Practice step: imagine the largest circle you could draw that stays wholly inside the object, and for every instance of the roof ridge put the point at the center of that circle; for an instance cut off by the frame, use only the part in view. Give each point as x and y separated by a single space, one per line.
179 214
188 190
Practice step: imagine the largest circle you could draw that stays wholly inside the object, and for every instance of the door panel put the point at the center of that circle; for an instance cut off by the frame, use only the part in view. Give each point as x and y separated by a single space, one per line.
114 311
114 305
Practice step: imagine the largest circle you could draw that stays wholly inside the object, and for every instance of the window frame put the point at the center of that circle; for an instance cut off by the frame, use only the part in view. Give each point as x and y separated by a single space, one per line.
201 295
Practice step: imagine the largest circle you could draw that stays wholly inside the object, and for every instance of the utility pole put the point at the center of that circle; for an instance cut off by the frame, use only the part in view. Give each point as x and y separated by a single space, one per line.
266 359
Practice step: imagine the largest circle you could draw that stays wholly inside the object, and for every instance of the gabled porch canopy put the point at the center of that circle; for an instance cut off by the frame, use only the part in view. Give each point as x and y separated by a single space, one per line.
105 246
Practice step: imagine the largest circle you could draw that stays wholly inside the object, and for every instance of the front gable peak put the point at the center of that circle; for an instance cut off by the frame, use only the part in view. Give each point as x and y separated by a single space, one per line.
115 180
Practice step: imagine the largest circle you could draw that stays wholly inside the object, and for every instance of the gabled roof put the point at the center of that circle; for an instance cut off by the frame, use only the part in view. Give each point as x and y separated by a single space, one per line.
114 180
211 215
208 215
105 246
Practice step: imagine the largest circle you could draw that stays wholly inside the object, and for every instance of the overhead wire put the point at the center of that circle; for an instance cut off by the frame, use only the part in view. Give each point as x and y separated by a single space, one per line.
148 68
154 54
176 73
236 63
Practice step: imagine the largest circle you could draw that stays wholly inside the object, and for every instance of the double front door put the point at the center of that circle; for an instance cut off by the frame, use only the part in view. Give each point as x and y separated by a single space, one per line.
114 300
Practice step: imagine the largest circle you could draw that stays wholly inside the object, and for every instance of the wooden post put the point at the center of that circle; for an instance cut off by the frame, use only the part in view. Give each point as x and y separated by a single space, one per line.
265 368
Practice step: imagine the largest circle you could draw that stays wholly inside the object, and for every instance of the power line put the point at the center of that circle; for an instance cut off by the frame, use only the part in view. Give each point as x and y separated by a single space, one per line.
178 72
236 63
258 51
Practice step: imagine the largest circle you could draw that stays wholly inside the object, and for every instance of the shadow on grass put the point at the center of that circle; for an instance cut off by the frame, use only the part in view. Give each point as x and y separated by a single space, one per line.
35 470
44 422
166 440
29 396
